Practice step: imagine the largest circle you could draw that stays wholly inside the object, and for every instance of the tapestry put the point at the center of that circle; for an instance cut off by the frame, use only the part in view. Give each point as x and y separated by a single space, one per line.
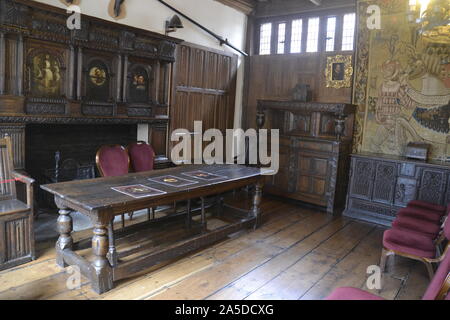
402 83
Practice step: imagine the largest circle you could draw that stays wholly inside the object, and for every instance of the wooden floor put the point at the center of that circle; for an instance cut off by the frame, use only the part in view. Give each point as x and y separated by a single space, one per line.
297 253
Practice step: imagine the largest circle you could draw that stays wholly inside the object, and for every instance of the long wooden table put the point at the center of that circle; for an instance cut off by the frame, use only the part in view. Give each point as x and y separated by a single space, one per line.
96 199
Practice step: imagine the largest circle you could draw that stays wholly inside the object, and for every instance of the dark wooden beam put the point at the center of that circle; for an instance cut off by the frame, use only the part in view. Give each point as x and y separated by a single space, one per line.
245 6
275 8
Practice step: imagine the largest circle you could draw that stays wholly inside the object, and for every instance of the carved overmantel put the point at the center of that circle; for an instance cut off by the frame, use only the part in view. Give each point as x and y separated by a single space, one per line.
103 73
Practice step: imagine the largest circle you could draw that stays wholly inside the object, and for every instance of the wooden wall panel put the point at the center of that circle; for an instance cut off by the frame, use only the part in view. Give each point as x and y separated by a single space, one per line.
274 77
204 88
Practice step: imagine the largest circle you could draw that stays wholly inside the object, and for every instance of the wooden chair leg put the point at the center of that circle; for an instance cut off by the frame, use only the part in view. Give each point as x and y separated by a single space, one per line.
384 256
131 215
149 214
430 269
123 220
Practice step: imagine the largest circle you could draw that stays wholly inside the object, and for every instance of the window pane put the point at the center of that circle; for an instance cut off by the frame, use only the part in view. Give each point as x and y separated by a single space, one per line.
265 38
296 36
331 33
348 32
281 37
312 41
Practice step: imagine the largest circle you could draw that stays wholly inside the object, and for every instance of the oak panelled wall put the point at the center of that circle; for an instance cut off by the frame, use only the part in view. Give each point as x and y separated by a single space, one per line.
273 77
204 88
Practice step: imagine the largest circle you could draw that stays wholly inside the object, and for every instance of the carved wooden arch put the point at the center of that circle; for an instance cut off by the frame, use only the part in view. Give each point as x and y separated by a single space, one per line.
34 52
150 76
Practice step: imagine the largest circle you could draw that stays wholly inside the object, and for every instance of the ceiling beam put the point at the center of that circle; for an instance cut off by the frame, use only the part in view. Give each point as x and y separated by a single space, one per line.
245 6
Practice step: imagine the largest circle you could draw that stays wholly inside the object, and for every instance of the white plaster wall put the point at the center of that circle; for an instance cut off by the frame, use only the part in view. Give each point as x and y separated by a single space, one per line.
151 15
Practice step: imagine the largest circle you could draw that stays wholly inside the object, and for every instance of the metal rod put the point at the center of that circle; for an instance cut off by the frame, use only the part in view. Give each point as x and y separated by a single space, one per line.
221 40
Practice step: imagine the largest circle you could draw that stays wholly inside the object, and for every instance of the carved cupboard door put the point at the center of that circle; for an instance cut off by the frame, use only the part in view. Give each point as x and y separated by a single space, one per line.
384 185
362 181
432 186
313 174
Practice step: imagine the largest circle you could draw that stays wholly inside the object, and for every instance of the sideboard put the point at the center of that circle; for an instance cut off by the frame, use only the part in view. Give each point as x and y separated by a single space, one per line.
315 145
382 184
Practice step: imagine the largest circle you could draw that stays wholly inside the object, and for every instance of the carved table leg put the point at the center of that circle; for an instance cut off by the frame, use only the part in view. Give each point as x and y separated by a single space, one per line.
65 241
112 252
256 210
102 276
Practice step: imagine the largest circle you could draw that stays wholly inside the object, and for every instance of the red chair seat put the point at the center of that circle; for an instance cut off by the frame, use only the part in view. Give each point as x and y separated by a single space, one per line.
420 213
409 243
427 205
348 293
427 228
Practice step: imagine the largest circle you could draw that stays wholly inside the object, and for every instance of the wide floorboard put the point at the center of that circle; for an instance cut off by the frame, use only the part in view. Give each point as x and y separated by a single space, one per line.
297 253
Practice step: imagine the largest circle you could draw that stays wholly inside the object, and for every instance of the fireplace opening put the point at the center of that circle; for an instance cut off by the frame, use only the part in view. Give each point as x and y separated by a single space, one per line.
56 152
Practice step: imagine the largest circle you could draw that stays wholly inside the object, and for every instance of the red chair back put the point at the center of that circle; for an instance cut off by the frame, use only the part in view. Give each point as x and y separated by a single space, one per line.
112 161
142 156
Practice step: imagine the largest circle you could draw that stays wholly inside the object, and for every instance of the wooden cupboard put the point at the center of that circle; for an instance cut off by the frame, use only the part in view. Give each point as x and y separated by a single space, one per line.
315 144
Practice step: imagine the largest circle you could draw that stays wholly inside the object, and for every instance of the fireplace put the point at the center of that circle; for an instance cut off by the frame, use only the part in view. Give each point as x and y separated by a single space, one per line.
75 146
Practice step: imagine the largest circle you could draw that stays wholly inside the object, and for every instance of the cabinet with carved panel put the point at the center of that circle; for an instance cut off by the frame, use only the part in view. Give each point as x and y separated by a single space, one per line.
315 144
382 184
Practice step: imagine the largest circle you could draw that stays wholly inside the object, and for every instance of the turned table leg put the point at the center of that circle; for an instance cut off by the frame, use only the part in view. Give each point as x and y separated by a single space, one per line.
101 274
112 252
65 241
256 210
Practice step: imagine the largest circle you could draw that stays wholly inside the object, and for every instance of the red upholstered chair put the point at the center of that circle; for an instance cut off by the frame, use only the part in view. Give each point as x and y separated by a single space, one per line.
427 205
415 246
421 213
112 161
142 156
438 289
416 225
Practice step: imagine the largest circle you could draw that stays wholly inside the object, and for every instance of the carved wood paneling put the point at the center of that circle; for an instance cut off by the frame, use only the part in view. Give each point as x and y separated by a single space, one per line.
17 241
272 77
362 178
30 28
381 185
17 134
384 184
432 186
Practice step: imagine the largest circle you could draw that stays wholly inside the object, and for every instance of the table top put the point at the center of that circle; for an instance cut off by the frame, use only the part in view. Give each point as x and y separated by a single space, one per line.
95 194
